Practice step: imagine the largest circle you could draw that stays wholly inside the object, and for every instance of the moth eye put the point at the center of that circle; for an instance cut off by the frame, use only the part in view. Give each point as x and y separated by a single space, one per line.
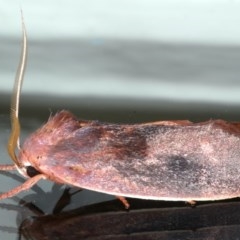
31 171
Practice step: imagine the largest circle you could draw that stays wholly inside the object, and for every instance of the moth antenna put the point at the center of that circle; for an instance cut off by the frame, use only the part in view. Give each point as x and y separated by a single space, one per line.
13 141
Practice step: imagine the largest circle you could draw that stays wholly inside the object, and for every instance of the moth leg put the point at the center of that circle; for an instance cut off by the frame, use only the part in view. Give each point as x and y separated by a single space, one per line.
192 203
124 201
25 186
63 201
8 167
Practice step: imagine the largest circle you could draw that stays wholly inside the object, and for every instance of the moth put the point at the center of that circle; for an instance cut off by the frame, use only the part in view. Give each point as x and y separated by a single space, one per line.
164 160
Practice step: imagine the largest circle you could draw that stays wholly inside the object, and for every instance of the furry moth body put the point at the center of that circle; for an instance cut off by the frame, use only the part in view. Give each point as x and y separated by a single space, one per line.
161 160
168 160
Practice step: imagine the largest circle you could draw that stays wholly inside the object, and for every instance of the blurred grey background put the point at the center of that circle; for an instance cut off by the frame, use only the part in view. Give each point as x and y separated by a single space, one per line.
128 50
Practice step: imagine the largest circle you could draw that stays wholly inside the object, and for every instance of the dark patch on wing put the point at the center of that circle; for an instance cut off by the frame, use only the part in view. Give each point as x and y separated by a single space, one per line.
128 144
178 163
174 173
185 168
